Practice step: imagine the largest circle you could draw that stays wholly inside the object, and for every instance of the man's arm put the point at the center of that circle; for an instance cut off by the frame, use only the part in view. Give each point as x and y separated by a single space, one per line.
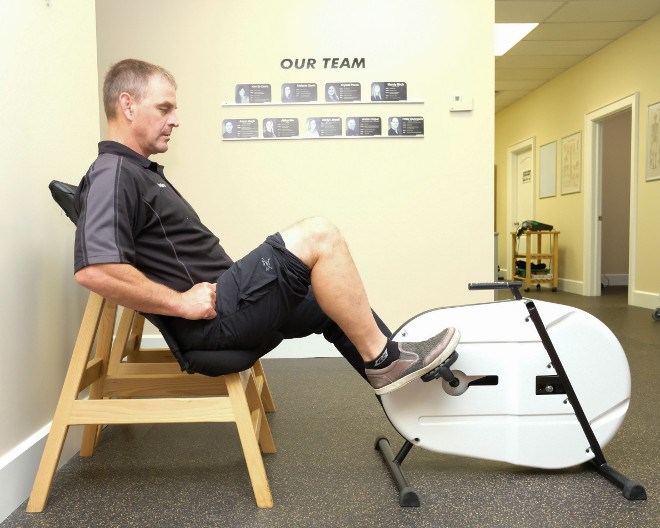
127 286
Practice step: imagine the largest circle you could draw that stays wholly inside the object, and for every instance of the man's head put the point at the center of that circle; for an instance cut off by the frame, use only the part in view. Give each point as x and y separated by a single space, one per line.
140 103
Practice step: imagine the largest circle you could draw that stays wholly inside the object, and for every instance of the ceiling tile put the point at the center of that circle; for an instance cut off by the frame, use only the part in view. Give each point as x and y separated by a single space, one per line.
531 74
531 61
605 11
523 85
557 47
581 30
525 10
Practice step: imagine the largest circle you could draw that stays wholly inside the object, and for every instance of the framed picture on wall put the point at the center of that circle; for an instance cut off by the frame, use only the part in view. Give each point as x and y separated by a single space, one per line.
653 143
571 163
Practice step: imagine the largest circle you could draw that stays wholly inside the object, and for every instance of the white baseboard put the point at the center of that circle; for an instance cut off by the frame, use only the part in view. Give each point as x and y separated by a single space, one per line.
570 286
19 466
614 279
648 300
309 347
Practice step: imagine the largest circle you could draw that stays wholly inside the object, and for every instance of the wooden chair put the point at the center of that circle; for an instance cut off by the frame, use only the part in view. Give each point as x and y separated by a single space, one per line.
131 385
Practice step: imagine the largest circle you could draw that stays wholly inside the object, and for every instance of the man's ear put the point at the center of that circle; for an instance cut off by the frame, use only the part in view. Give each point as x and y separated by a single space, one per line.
126 105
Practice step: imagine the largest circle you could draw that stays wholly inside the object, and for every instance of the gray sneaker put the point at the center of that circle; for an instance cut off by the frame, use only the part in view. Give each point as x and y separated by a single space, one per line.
415 360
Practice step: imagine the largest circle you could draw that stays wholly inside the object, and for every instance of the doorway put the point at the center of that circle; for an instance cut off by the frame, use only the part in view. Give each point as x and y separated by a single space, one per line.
615 207
597 194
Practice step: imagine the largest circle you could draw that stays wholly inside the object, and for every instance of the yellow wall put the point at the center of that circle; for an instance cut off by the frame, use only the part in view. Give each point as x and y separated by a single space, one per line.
49 125
558 109
417 212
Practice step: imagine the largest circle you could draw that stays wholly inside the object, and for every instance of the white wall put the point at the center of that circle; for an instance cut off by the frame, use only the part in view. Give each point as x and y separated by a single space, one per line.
49 116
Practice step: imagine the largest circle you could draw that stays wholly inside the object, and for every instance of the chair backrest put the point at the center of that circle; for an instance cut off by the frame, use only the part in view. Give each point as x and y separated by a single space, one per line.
63 194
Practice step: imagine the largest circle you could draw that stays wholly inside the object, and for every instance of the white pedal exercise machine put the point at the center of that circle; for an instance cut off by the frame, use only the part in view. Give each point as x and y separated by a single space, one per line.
506 395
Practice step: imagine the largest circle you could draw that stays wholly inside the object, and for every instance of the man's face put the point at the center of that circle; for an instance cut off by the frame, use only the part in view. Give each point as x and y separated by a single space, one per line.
394 124
351 124
154 117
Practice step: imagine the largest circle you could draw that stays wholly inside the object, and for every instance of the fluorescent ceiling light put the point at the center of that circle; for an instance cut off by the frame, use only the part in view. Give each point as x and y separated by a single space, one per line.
508 35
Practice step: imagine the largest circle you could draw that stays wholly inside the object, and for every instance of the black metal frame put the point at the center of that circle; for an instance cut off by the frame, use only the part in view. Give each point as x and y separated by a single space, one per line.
408 496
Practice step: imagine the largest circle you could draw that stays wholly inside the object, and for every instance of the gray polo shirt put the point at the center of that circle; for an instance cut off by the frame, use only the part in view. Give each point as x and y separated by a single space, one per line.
131 214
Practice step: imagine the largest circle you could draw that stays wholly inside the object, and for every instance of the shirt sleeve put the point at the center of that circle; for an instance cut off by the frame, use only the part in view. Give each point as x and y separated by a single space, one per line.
108 198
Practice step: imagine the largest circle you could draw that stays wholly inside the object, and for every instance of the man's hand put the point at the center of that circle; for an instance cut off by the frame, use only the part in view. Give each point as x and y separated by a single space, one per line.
199 302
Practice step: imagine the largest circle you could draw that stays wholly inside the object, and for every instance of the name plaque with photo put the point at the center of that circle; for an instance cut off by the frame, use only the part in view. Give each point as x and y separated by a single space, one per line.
299 93
253 93
280 127
405 126
240 128
363 126
343 92
389 91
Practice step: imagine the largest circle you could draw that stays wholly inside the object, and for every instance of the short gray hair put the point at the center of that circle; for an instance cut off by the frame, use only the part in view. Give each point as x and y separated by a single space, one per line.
130 76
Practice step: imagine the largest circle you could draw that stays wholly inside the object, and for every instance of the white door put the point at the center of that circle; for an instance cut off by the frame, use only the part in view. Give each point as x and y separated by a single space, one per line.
521 170
524 188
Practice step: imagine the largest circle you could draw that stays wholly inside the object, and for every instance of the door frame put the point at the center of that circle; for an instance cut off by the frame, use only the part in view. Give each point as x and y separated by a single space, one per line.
593 189
512 154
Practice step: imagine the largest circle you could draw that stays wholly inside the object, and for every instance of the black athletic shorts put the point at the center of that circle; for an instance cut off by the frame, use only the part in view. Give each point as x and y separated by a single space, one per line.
255 298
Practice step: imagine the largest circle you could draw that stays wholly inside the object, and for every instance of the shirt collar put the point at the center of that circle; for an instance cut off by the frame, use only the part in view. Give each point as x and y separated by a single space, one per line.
113 147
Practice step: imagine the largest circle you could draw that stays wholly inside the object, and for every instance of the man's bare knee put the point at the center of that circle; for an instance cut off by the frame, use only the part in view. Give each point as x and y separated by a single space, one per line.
311 238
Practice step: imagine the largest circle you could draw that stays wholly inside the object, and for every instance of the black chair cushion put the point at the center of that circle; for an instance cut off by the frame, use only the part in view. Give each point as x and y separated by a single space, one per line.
212 362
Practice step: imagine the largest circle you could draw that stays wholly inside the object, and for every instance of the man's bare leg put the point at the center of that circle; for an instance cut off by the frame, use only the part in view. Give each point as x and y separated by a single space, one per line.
336 282
341 295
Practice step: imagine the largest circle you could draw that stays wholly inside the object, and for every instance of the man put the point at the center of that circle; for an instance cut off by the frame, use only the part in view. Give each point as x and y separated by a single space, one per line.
228 131
141 245
394 127
351 129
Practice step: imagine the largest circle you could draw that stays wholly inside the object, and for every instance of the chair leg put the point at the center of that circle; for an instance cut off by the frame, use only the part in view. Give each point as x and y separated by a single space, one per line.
266 442
266 395
70 390
246 433
92 433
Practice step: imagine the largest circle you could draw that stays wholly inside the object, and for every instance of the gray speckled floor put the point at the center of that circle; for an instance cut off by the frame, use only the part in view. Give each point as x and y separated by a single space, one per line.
327 473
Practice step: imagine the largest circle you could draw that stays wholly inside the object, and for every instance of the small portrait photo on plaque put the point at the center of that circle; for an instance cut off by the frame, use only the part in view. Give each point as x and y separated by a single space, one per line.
332 93
288 93
394 126
313 127
269 128
353 126
377 91
242 93
228 129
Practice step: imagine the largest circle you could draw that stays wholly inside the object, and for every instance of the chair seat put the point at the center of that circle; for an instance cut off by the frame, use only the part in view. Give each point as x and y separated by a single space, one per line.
212 362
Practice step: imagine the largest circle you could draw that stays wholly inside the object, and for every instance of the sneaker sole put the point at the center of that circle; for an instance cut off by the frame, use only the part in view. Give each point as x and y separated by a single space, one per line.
453 343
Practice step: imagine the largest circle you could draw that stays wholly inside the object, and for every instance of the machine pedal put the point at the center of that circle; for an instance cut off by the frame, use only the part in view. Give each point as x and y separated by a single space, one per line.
443 371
